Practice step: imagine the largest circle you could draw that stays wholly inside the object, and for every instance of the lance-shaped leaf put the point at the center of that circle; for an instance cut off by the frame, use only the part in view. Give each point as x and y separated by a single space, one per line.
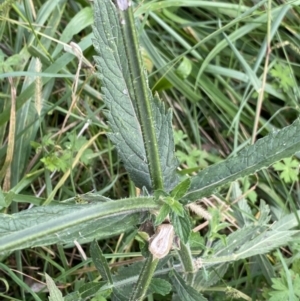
65 223
260 244
55 293
241 244
185 292
266 151
100 262
141 127
114 74
165 141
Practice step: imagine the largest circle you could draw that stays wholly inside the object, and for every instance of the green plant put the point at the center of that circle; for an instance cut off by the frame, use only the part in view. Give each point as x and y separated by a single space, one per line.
288 169
285 287
142 133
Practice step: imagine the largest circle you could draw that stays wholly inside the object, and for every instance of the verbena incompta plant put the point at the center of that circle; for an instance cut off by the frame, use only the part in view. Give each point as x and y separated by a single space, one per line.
142 133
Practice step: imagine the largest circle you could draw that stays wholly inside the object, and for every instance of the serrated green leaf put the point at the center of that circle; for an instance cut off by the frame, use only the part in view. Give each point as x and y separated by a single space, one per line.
180 190
283 75
13 61
265 242
175 206
159 195
160 286
55 293
100 262
65 223
288 169
220 227
86 157
137 125
185 292
52 162
264 216
196 241
243 216
117 89
245 243
182 226
263 153
287 222
156 132
207 277
281 289
162 214
236 240
165 140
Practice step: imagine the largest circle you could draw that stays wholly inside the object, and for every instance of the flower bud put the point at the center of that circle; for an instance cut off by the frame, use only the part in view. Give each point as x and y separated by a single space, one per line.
161 242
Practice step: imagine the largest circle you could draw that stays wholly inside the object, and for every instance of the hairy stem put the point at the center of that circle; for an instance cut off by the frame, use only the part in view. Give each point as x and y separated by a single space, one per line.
144 280
143 97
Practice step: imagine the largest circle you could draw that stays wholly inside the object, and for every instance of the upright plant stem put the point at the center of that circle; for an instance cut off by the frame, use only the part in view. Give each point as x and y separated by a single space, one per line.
144 280
186 259
143 100
142 93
